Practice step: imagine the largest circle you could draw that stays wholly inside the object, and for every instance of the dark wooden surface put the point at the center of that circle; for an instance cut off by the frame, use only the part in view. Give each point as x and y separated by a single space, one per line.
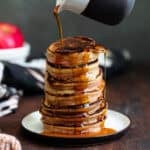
129 93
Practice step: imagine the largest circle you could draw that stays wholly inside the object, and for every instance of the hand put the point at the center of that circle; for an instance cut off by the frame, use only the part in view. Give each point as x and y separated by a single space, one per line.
8 142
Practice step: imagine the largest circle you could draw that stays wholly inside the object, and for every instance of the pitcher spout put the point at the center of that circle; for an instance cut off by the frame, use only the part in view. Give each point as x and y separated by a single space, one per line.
76 6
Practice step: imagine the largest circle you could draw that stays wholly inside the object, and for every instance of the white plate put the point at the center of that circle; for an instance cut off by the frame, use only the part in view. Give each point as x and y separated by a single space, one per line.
115 120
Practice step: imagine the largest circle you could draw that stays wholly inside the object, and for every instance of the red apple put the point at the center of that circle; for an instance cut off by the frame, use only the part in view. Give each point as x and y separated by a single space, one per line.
10 36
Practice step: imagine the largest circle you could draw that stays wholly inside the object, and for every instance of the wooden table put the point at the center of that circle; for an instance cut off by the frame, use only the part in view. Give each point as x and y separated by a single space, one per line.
129 93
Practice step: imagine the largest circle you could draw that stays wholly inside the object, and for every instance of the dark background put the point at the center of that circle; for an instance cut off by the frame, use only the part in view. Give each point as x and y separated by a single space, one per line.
38 25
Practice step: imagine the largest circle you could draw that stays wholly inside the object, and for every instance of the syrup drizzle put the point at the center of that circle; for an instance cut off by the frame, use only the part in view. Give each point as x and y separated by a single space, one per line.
105 75
59 24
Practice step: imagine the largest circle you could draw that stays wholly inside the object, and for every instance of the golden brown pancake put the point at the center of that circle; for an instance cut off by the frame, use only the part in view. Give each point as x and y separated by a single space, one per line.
75 51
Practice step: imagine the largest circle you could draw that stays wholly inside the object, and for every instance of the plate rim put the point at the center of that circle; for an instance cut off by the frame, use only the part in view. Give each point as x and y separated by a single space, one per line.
79 138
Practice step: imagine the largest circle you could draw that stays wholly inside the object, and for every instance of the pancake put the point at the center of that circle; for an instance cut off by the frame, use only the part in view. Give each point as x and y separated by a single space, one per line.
73 72
66 100
72 90
75 51
74 110
76 86
93 128
75 122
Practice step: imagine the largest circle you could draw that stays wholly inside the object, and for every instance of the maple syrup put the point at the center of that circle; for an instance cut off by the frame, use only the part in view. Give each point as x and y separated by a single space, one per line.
59 24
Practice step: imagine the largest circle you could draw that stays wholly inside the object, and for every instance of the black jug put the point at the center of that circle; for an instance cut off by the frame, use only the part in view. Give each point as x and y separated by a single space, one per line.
106 11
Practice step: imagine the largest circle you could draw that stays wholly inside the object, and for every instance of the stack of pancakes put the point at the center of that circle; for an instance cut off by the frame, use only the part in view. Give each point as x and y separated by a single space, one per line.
74 88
